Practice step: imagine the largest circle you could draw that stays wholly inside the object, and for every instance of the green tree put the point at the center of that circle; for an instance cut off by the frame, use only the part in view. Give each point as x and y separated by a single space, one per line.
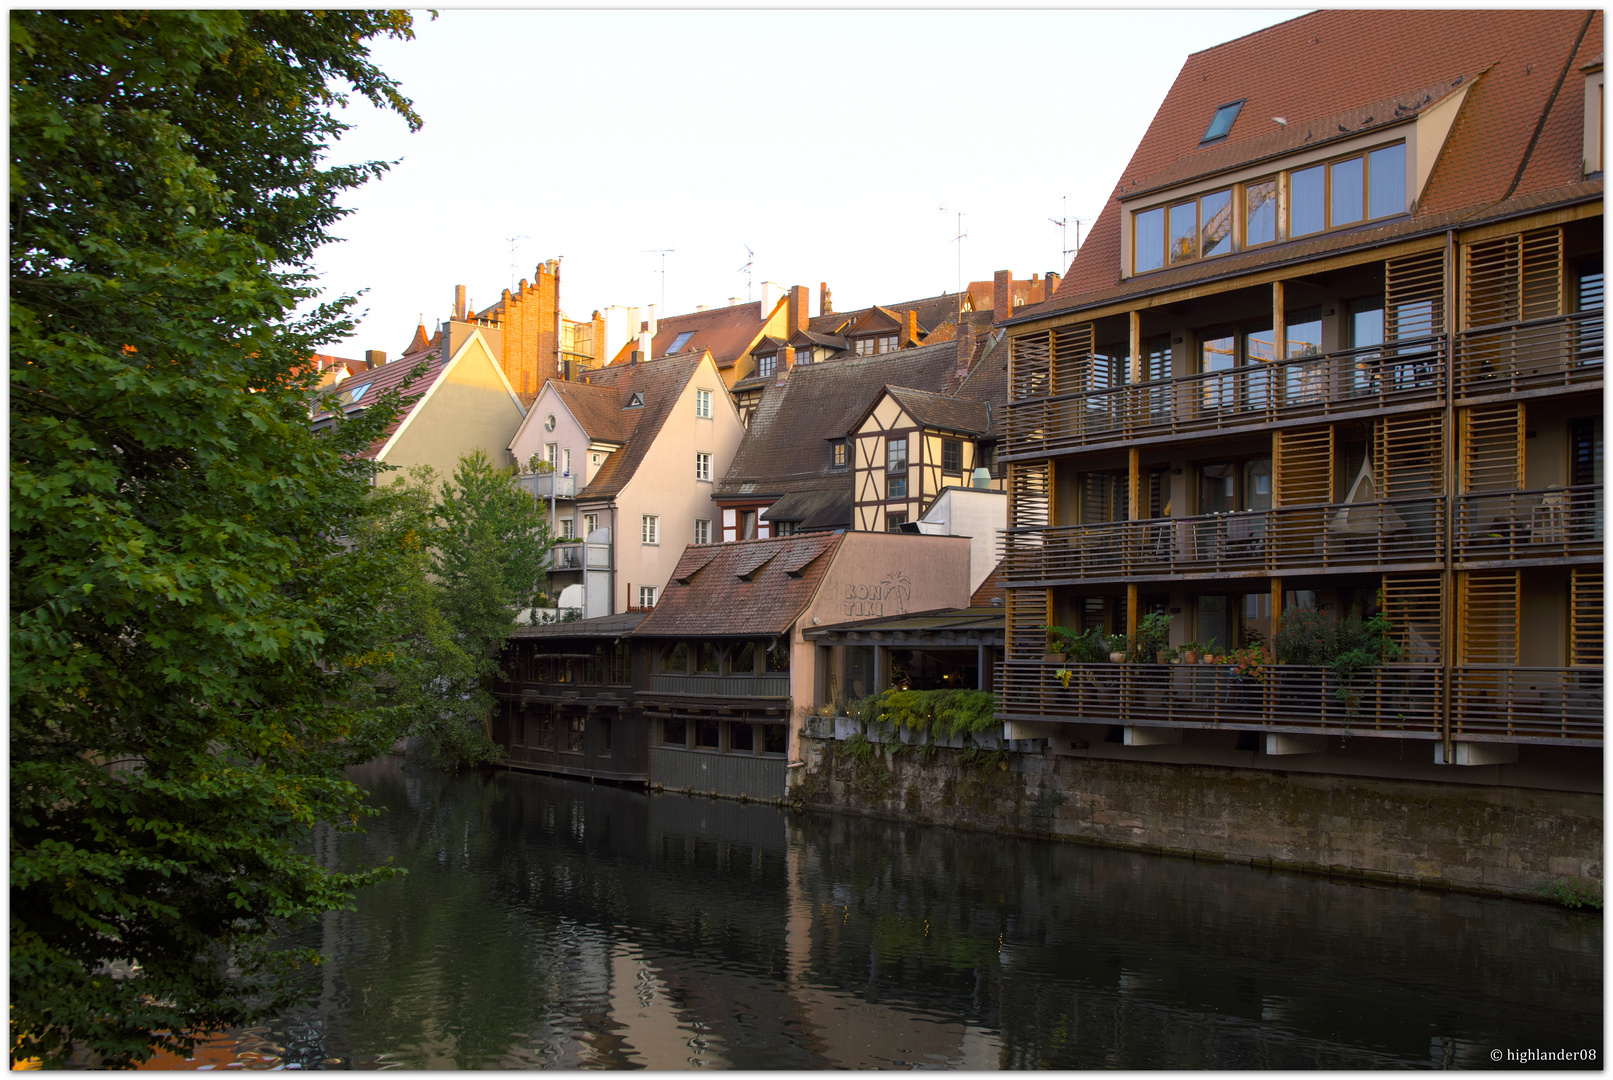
476 553
194 662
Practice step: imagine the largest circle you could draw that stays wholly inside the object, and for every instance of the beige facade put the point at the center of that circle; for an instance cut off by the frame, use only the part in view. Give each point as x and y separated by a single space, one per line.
902 466
469 407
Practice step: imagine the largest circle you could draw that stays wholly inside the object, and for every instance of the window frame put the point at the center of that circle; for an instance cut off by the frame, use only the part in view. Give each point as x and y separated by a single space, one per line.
650 529
952 450
766 364
839 454
702 531
894 522
702 466
646 597
702 404
894 462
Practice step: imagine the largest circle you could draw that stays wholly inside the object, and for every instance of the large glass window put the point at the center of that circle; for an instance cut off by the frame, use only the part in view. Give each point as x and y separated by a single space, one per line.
1307 201
1349 183
1184 232
1150 240
1388 171
1260 212
1215 223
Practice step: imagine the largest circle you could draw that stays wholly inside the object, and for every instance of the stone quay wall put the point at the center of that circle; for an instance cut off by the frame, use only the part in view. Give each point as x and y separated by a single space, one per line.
1484 839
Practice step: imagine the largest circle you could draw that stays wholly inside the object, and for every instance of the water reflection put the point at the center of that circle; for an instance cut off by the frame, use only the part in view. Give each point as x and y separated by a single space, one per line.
546 923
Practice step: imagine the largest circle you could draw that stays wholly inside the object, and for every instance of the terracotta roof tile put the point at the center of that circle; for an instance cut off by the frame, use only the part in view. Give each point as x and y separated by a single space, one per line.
726 331
372 383
661 382
598 409
1328 63
718 601
990 589
988 381
941 411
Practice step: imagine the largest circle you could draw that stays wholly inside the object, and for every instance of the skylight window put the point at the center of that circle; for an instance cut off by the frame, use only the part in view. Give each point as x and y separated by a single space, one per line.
681 340
1224 116
635 402
350 397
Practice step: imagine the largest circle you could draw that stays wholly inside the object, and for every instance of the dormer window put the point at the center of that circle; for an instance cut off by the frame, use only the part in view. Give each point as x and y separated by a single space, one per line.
766 365
635 402
870 346
680 341
1221 122
1336 194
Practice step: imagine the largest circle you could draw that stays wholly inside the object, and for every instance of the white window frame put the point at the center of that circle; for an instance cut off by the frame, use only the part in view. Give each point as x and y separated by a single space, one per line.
568 529
565 461
590 523
702 466
646 596
551 454
702 404
650 529
702 531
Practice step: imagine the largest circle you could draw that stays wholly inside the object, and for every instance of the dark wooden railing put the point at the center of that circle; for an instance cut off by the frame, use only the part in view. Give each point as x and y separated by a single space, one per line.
1553 523
1318 537
1246 397
1561 706
777 685
1398 700
1565 350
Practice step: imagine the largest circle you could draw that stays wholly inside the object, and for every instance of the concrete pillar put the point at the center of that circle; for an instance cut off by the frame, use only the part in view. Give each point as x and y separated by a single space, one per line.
1152 736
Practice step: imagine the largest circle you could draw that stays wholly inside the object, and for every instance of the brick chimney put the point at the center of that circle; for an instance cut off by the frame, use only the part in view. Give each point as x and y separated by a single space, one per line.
795 312
459 302
912 333
1052 285
1002 296
786 361
375 357
1035 296
824 306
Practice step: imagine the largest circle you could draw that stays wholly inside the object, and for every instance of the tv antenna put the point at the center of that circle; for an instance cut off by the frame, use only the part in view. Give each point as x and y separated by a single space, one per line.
959 241
1064 224
663 252
750 259
513 241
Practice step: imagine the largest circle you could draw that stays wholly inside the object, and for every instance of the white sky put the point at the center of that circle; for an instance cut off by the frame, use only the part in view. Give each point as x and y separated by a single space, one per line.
826 140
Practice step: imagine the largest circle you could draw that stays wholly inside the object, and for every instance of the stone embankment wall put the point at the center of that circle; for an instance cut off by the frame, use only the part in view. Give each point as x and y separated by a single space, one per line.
1496 840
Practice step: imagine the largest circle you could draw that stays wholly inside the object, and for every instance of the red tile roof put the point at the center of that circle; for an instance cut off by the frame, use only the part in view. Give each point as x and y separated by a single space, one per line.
1516 134
660 382
726 331
751 588
377 381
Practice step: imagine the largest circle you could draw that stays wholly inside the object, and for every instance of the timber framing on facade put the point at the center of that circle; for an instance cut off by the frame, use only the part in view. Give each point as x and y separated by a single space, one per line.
1364 376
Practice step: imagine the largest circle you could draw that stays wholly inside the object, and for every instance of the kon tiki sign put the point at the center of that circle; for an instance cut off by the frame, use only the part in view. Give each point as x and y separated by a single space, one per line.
889 597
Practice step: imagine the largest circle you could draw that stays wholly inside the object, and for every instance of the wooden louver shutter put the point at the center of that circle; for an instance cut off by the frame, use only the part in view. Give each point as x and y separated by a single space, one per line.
1302 466
1026 612
1072 358
1414 296
1585 617
1415 607
1030 492
1487 617
1409 455
1513 278
1492 447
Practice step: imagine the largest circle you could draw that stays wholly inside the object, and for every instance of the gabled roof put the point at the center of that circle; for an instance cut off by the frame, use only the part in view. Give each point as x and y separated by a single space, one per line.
727 331
597 410
660 382
785 448
752 588
988 380
1517 134
939 411
931 312
357 392
813 511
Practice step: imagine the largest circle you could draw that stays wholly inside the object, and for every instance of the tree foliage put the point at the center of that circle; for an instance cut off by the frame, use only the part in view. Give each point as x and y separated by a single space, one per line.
475 552
192 664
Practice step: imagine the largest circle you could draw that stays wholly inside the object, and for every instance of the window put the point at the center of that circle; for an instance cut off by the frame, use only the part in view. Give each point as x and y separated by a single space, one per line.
870 346
778 656
887 343
747 525
674 661
551 454
896 486
679 342
708 734
1221 122
702 531
603 725
565 462
786 528
646 596
986 456
702 466
773 738
351 397
650 529
803 356
1260 212
839 453
674 733
574 730
951 456
743 661
710 659
741 737
635 402
590 522
702 404
766 365
896 454
894 522
568 529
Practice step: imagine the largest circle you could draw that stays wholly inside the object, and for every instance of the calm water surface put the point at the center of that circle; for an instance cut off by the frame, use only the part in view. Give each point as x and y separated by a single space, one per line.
547 923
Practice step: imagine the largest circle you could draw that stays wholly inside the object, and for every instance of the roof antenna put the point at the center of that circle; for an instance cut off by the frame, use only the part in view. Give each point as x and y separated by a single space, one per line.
663 252
750 259
959 241
1064 224
513 240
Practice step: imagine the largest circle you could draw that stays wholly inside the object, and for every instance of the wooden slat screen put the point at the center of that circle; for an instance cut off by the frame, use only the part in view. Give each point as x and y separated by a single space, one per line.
1302 466
1585 617
1487 617
1415 605
1513 278
1028 365
1030 494
1026 611
1072 359
1492 447
1103 497
1414 296
1409 455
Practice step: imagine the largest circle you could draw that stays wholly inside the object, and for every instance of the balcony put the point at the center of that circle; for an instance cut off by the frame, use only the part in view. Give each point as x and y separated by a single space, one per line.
1548 525
1325 538
1542 355
1245 398
1558 706
737 686
548 485
580 557
1400 701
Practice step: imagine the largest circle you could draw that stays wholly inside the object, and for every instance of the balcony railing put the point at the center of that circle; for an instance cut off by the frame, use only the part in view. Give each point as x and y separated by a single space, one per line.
547 485
581 557
1536 355
722 685
1399 700
1251 543
1249 396
1561 706
1553 523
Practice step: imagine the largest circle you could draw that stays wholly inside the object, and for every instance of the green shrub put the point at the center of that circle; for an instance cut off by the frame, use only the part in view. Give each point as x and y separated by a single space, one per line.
945 712
1570 893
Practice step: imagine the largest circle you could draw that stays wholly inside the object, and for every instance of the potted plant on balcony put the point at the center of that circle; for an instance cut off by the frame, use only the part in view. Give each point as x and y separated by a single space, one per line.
1084 647
1362 644
1152 639
1189 652
1117 647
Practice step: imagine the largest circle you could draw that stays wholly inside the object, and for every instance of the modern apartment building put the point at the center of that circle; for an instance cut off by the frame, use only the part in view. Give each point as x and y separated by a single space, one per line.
1335 343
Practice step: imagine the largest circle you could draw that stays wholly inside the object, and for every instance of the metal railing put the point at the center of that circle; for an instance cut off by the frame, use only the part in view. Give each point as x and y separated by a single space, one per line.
1397 700
1564 350
1248 396
548 485
1559 706
580 557
722 685
1315 537
1550 523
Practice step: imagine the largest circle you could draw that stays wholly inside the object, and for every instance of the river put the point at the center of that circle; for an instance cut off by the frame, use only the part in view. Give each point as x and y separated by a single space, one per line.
551 923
